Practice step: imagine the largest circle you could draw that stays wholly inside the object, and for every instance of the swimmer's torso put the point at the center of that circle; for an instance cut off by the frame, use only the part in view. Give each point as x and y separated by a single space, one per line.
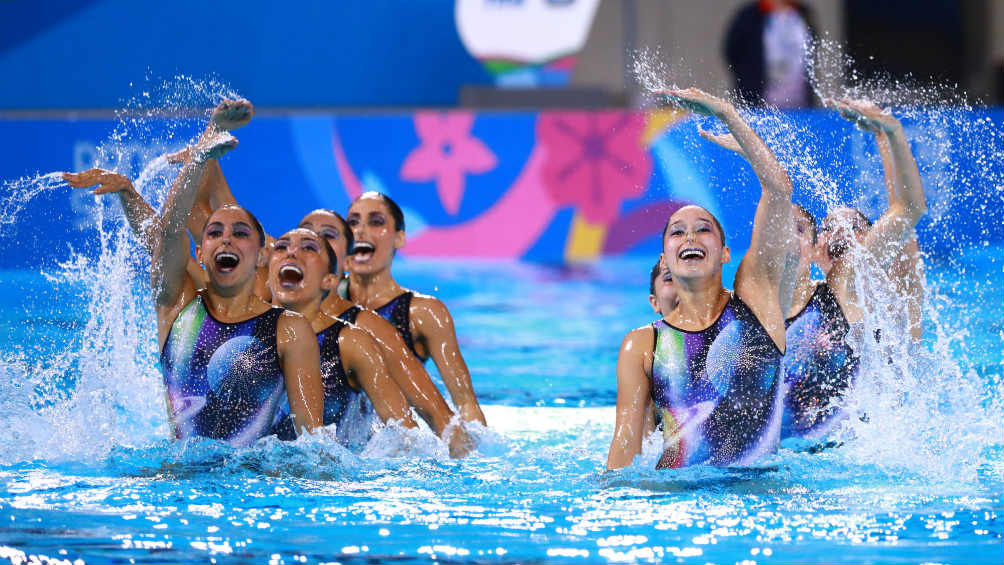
223 380
718 390
819 365
344 405
398 313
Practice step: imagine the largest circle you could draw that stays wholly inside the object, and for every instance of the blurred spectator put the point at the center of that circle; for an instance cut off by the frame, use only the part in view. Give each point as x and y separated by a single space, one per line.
765 50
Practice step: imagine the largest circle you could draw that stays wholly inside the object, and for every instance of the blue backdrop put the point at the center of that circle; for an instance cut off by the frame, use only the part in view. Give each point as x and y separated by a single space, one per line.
87 53
287 166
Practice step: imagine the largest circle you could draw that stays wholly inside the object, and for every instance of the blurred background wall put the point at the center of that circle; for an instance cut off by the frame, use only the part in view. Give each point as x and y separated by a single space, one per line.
84 54
505 128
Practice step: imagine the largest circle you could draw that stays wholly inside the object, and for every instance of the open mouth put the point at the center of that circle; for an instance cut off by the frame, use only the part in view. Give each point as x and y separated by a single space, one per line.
290 276
691 254
362 251
226 261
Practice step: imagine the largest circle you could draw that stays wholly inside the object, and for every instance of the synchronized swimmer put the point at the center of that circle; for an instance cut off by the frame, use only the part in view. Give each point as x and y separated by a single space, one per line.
264 336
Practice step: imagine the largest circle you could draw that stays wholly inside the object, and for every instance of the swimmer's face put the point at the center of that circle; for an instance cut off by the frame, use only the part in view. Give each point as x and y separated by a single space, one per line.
693 246
331 228
841 230
376 236
230 248
299 269
665 299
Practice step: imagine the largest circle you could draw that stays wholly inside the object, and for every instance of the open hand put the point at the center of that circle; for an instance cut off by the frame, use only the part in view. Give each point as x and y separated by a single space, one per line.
106 181
726 140
866 115
696 101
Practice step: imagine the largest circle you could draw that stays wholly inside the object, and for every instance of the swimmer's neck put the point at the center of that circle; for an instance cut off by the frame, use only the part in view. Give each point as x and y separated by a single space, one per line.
698 307
334 305
311 310
805 287
226 305
373 290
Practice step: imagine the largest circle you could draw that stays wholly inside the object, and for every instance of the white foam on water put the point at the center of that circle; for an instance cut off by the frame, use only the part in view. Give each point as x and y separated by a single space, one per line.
103 390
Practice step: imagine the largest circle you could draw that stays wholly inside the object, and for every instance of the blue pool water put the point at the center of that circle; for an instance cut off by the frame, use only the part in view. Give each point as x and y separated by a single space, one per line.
85 473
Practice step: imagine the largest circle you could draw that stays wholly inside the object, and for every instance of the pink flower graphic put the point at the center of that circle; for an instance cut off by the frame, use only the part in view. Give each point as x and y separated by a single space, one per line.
447 153
594 160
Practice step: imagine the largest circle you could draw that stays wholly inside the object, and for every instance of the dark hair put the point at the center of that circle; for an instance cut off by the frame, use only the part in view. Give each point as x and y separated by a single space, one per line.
350 240
811 219
330 251
395 210
254 221
714 220
656 269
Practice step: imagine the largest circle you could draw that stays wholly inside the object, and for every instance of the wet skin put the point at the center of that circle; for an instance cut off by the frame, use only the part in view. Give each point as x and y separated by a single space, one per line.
372 285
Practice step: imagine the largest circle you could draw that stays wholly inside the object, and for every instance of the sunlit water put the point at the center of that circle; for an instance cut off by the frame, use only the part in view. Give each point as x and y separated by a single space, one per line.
541 343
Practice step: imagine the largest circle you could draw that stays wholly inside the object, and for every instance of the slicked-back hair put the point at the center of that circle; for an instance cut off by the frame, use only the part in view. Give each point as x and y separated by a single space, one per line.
395 210
332 254
254 221
714 220
656 269
350 240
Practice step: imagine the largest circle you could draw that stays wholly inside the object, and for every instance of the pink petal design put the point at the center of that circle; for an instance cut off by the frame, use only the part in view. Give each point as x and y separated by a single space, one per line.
446 153
457 124
450 186
474 155
594 160
429 127
423 163
521 205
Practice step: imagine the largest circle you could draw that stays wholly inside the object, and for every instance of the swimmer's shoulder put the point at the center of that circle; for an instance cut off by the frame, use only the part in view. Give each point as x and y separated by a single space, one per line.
370 321
425 307
638 346
641 338
291 326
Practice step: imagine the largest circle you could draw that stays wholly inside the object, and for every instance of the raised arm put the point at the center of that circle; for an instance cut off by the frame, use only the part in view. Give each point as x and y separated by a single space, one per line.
760 275
301 367
773 230
170 252
141 216
363 361
889 235
633 393
213 191
435 326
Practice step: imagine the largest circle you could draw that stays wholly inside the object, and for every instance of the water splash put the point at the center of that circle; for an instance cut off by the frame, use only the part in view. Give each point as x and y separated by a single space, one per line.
929 409
103 388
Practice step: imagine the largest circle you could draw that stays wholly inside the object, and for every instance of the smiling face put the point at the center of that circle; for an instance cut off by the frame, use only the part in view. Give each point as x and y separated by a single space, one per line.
663 297
300 270
332 228
376 235
692 246
231 248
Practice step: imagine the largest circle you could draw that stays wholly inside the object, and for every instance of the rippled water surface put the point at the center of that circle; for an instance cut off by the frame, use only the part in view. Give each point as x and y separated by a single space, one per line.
86 475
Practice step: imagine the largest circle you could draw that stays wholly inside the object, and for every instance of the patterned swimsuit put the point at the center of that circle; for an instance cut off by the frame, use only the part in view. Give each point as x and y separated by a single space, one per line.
718 390
223 380
819 366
